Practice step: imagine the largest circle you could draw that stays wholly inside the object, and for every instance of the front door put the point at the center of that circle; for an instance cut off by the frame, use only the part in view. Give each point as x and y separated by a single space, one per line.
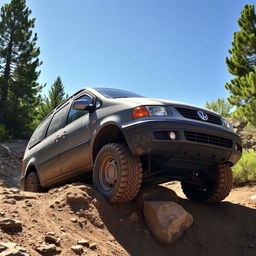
75 140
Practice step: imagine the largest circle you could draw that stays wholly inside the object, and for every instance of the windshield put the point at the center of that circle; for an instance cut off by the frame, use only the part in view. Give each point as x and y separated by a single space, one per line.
116 93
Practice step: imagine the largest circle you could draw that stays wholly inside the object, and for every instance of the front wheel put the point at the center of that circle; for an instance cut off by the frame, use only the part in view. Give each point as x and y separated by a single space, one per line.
215 186
32 183
117 174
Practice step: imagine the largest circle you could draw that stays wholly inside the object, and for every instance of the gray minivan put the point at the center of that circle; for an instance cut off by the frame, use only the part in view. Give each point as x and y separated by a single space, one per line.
124 140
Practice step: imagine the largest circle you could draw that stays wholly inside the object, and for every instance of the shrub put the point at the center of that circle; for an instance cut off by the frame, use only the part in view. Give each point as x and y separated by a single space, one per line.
245 170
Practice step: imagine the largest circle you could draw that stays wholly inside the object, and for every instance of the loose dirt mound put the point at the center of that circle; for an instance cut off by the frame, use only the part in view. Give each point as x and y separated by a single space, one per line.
54 222
76 220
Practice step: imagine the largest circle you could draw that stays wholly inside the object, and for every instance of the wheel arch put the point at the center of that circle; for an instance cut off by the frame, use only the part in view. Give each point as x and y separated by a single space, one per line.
31 168
110 133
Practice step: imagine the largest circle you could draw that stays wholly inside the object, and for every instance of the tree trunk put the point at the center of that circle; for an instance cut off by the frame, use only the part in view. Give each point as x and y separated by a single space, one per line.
5 82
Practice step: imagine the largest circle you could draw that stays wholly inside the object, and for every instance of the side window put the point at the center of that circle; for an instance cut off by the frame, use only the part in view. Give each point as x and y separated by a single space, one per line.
38 134
98 104
57 121
75 114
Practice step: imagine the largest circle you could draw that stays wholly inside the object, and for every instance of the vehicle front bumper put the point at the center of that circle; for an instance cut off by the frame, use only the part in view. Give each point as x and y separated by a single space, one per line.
142 140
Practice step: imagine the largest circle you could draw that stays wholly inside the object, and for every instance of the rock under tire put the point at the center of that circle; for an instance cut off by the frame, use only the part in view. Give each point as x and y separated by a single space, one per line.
32 183
214 193
128 173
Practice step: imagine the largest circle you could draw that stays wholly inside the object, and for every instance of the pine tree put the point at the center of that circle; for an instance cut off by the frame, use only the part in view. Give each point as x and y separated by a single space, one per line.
242 64
220 106
56 97
18 68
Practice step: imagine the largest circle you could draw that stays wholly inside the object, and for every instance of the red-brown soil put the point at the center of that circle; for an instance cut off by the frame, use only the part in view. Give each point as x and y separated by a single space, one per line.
76 211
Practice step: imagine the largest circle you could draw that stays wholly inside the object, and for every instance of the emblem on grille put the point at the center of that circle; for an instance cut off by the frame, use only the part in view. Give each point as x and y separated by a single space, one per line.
202 115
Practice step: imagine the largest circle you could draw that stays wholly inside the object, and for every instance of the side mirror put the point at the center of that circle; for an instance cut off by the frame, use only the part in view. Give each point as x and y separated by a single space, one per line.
81 104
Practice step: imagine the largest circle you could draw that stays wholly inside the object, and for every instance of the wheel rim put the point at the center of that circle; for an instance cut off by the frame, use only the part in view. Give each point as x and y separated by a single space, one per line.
108 173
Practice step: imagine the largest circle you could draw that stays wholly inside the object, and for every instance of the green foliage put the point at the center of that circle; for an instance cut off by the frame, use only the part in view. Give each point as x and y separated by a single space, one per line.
56 97
18 73
220 106
242 64
245 170
3 133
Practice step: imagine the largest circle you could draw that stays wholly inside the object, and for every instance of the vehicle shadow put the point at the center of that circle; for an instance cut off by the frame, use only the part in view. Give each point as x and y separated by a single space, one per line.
223 229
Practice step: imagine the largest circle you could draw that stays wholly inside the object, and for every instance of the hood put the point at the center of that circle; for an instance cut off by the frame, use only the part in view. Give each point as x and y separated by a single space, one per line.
151 101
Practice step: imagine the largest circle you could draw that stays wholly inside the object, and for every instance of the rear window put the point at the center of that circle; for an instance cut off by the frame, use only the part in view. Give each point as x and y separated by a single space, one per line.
38 134
117 93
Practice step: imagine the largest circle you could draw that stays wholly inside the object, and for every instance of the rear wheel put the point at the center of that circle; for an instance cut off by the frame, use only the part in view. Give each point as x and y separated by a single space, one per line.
32 183
117 174
216 185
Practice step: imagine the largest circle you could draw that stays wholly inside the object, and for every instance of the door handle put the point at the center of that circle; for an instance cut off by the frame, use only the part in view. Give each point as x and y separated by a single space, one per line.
64 135
57 138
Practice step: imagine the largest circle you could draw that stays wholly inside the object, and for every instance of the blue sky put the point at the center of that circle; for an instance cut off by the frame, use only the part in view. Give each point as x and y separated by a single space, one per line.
171 49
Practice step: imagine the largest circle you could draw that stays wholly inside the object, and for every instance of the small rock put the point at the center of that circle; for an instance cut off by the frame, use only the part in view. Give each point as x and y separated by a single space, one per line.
93 246
167 220
46 248
15 190
9 223
9 201
134 217
12 249
52 238
84 242
74 220
77 249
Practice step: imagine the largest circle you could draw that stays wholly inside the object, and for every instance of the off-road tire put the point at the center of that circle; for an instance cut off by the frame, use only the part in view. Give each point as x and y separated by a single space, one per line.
213 192
128 172
32 183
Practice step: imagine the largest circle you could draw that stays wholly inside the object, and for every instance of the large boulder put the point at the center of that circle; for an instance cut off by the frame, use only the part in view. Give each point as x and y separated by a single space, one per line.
167 220
155 193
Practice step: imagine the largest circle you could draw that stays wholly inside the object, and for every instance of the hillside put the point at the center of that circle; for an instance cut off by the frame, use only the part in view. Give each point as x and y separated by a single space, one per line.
76 216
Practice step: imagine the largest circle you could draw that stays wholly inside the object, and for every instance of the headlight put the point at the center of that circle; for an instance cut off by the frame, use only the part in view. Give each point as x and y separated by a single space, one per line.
227 124
151 111
158 111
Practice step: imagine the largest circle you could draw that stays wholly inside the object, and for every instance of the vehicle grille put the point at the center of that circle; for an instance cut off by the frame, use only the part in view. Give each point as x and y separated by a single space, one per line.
192 114
208 139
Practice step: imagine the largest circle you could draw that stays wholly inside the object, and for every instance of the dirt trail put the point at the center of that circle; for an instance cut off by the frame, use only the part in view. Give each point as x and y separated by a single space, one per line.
76 212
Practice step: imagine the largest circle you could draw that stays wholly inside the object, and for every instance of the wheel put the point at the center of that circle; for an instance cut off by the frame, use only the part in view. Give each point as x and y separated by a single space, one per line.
32 183
216 186
117 174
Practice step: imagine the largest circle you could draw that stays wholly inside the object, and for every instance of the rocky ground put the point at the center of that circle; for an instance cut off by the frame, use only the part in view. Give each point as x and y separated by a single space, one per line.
75 220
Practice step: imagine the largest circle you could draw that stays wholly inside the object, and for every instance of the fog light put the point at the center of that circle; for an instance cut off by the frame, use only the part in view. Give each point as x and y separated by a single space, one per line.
172 135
